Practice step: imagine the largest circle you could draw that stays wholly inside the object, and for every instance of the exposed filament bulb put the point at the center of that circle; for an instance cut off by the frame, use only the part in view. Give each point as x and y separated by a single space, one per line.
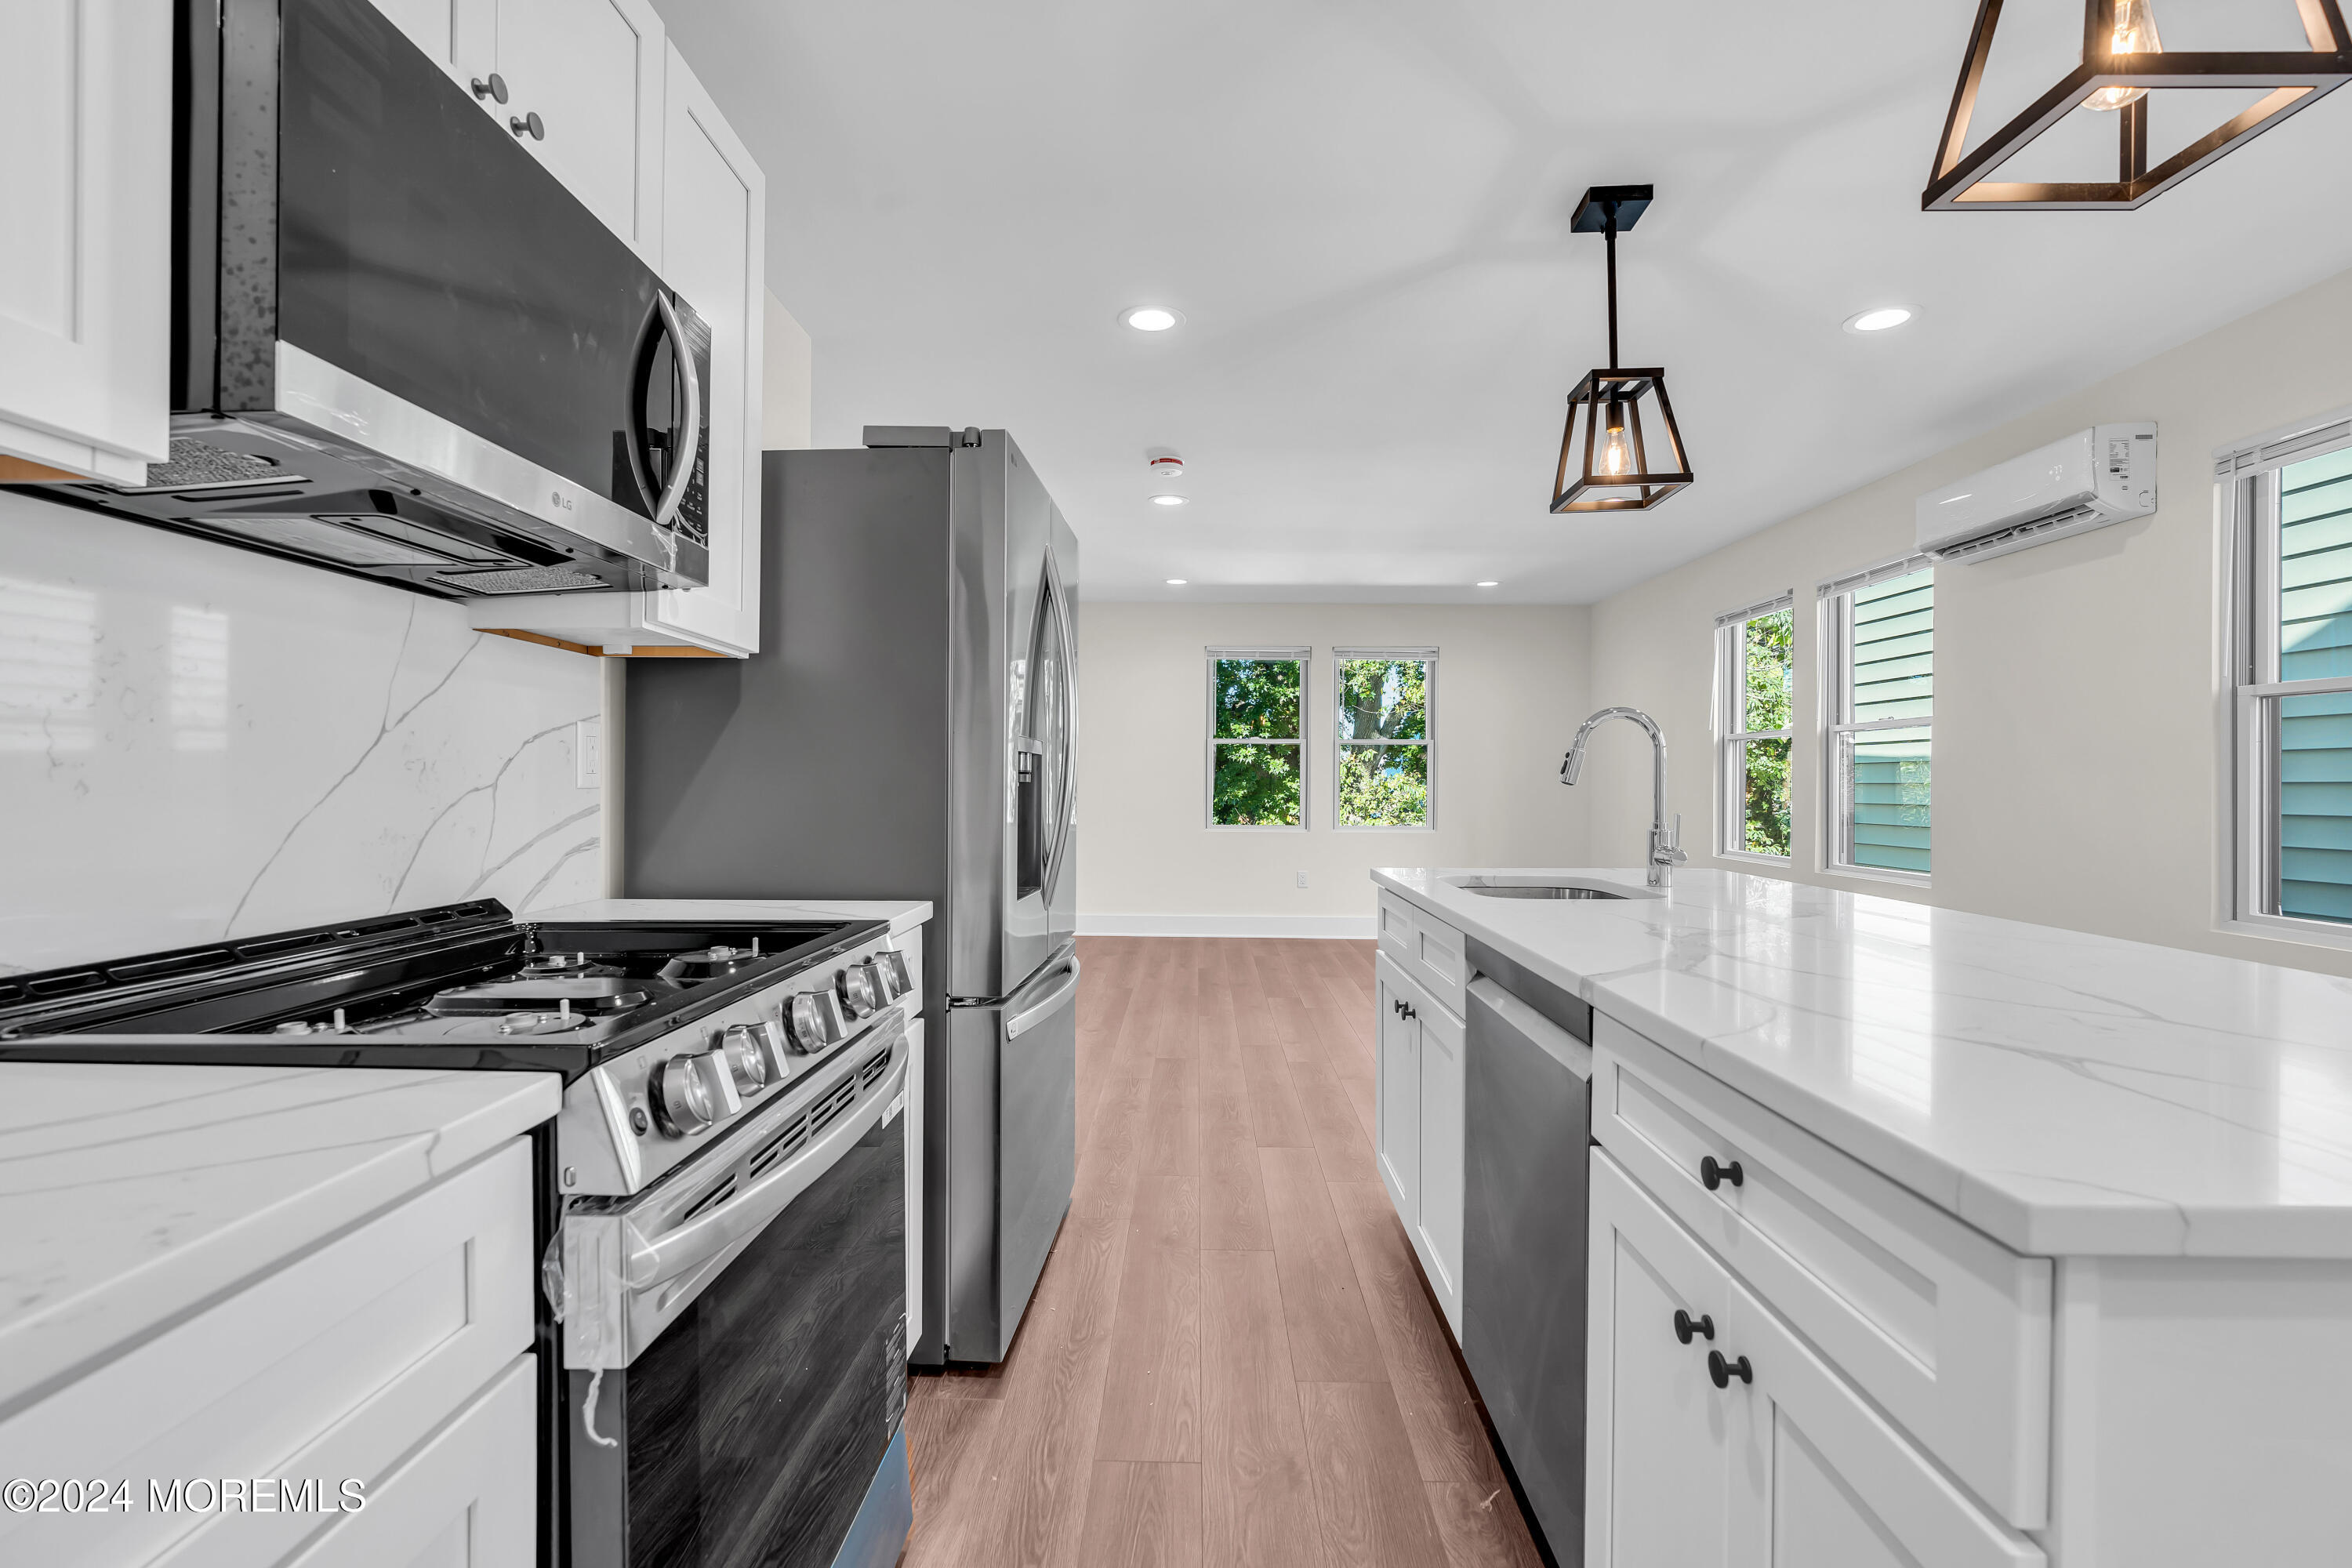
2135 34
1616 452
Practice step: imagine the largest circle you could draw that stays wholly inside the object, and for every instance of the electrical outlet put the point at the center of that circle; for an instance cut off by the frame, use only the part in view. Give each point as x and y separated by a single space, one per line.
1302 879
588 750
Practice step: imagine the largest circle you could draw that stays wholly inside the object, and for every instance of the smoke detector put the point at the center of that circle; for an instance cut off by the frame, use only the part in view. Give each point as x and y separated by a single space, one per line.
1166 466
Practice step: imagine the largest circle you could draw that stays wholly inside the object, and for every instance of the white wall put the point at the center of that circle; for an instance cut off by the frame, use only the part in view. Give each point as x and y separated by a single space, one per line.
2080 734
197 740
1511 690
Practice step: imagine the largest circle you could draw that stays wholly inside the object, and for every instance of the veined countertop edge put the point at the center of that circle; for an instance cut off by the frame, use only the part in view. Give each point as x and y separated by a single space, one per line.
1695 973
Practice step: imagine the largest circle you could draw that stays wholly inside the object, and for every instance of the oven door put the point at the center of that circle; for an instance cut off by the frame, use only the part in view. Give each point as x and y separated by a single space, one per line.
735 1343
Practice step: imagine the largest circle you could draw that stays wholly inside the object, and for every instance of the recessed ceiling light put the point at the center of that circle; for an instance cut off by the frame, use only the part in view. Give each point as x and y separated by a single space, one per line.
1167 501
1877 320
1150 318
1175 582
1490 584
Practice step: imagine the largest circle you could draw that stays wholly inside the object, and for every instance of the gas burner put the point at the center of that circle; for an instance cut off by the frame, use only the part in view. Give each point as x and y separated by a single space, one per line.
710 963
595 995
560 964
540 1023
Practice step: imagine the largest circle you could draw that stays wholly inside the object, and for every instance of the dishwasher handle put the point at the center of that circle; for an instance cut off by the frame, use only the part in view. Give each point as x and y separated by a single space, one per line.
1521 1019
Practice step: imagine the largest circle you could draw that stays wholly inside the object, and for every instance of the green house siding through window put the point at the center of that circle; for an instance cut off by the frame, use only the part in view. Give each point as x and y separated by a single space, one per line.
1893 678
2315 732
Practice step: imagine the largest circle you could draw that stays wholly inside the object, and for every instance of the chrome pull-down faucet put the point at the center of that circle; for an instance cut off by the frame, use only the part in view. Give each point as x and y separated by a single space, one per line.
1665 848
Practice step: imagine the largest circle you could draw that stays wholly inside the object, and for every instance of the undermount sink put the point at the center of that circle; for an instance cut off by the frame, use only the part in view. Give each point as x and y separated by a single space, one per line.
1540 889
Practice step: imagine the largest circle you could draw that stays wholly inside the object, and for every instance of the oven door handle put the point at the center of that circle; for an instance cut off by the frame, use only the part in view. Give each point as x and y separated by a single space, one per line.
650 1261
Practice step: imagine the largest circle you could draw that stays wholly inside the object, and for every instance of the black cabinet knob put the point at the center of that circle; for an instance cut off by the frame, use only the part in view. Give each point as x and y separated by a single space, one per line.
529 125
1715 1175
1396 1006
1686 1325
494 87
1723 1371
1408 1012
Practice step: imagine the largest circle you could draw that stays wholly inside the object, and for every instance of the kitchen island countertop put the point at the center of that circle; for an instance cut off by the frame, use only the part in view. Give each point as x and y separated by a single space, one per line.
2066 1093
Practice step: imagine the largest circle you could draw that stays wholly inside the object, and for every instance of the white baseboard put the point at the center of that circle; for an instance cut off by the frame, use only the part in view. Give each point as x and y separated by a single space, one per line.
1330 928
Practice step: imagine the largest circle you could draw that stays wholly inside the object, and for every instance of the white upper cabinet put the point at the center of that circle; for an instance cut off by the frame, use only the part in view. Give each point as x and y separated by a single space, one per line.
591 70
85 256
711 239
592 73
459 36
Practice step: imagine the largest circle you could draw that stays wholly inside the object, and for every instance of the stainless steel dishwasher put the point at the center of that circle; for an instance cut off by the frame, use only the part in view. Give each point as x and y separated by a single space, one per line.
1528 1125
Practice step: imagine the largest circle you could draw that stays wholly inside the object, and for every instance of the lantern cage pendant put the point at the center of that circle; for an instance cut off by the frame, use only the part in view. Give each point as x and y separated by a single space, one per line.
1605 451
2123 60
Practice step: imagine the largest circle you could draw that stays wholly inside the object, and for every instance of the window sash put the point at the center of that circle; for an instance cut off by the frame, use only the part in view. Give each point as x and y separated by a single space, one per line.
1732 740
1303 659
1427 659
2254 477
1841 733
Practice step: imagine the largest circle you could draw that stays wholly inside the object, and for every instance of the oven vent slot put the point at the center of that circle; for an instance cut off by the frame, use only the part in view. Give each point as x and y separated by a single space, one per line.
871 1073
786 1143
711 1199
833 1104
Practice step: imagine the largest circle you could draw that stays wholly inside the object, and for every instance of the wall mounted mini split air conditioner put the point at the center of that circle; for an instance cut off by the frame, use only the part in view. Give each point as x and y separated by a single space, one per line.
2093 478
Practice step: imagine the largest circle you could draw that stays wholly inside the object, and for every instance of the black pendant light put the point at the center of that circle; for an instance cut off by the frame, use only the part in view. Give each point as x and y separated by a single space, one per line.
1606 451
2123 59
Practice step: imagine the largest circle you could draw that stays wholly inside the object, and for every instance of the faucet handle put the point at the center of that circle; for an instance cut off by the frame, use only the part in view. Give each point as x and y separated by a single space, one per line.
1670 846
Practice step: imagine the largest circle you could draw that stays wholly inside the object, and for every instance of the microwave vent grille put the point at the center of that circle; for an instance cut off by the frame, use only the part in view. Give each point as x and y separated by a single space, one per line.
521 580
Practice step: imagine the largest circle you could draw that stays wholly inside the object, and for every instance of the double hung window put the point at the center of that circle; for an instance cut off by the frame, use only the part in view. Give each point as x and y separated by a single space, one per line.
1752 667
1879 628
1386 707
1257 742
2292 509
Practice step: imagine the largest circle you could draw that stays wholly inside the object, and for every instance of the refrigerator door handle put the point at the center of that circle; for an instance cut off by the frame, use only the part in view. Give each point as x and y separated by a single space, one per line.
1019 1024
1069 724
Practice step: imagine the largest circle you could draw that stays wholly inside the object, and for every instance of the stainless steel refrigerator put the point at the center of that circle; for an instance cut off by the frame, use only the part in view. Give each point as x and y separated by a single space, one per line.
906 730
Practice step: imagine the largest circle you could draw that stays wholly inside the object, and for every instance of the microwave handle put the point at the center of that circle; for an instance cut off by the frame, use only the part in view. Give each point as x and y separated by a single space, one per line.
682 472
649 1261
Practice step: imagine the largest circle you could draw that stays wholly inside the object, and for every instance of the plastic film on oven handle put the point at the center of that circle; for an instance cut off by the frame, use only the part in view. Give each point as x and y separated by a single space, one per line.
647 1261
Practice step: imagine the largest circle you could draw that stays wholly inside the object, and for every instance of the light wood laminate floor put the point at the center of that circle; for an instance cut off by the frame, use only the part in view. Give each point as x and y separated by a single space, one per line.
1232 1358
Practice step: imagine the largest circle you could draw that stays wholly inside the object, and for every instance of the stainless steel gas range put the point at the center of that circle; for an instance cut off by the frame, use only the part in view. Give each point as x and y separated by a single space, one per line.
723 1197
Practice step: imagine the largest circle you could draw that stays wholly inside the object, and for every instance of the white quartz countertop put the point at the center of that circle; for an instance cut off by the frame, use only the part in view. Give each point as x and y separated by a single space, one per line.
2067 1094
131 1194
904 914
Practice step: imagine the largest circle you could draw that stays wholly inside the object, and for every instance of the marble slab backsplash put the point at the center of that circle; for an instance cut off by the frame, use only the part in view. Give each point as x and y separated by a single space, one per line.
199 742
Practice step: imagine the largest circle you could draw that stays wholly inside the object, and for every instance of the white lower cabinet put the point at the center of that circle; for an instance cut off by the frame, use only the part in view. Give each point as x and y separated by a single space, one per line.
406 1337
467 1499
1716 1436
1422 1087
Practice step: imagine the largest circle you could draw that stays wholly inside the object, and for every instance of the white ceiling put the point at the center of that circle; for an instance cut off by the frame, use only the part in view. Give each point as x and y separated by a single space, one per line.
1362 211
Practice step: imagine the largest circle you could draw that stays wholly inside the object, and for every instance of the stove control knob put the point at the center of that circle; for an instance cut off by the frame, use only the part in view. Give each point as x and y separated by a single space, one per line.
892 966
711 1065
811 1022
742 1050
773 1044
855 985
682 1103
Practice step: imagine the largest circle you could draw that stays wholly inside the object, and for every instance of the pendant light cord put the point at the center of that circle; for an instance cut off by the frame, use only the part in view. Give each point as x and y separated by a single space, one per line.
1610 231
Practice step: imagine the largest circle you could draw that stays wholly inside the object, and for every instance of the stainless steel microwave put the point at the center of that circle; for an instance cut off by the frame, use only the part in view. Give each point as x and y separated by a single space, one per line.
402 349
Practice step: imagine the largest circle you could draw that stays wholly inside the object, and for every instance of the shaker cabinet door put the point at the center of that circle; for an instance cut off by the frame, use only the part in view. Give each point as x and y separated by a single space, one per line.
1659 1433
1825 1481
85 256
714 226
1399 1112
458 36
1444 1087
592 71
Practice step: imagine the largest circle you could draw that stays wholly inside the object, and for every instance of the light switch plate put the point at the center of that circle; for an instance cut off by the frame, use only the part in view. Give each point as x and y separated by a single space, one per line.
1302 879
588 750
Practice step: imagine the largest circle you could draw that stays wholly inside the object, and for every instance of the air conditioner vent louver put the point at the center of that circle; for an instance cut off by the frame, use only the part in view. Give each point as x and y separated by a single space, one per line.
2012 538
